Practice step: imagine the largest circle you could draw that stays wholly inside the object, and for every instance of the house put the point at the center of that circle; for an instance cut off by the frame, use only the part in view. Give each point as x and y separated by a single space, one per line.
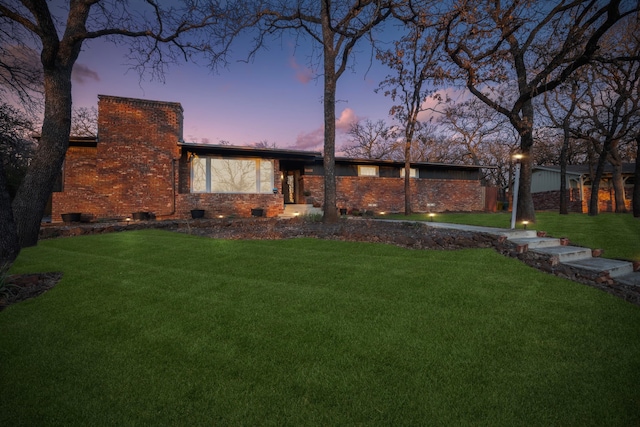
140 163
545 187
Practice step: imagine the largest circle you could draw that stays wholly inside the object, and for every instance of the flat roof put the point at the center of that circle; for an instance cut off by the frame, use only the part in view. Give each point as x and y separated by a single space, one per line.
315 156
248 150
628 168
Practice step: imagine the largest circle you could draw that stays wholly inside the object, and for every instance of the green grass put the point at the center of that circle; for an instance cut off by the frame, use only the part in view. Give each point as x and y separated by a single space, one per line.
155 328
617 234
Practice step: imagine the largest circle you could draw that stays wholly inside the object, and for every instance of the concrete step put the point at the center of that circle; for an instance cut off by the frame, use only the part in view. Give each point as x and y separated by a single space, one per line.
294 210
537 242
510 234
565 254
519 234
614 267
631 279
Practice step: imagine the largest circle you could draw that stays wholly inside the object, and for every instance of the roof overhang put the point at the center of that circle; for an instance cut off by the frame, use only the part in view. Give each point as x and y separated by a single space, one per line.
396 163
247 151
583 170
308 156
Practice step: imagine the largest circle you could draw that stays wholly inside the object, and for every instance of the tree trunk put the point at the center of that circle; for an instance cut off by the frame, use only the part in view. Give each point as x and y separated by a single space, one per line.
618 181
407 173
595 182
564 210
9 246
525 209
330 83
636 182
33 195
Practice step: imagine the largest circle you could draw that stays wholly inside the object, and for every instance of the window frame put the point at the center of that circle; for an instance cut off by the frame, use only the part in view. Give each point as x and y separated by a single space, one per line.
362 168
210 184
413 172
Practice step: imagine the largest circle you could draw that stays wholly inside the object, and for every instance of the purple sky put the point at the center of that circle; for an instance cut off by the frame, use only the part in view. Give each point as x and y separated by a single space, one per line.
275 98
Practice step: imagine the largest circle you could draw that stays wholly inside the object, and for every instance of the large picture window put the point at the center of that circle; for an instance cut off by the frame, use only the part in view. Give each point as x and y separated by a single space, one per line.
226 175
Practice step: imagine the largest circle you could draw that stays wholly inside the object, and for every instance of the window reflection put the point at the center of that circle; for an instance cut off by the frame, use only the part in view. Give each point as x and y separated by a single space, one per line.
224 175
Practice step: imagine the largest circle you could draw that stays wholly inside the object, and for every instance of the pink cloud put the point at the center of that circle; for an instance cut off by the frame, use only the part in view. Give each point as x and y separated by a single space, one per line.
432 104
346 119
81 74
303 74
314 140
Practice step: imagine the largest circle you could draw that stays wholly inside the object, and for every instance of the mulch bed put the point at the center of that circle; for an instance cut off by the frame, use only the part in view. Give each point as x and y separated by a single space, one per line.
21 287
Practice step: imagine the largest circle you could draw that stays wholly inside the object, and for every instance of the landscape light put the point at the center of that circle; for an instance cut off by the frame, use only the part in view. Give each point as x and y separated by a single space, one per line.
431 215
525 224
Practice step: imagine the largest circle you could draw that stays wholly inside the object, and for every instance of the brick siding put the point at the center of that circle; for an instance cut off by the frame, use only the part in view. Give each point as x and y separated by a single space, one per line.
132 168
550 200
387 194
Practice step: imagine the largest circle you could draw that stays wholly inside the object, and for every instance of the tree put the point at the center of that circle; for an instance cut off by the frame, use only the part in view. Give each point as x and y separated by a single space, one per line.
15 152
478 135
508 53
265 143
473 127
415 59
16 146
636 185
610 114
337 26
158 36
84 121
428 145
561 114
371 140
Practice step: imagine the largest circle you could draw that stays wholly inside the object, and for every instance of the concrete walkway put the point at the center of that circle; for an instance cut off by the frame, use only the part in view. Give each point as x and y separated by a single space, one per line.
558 249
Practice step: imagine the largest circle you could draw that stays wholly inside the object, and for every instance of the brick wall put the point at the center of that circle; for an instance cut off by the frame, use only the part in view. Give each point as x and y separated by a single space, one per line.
215 204
80 178
229 205
550 200
133 167
387 194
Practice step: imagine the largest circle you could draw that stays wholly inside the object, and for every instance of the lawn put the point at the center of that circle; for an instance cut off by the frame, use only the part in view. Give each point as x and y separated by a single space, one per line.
617 234
156 328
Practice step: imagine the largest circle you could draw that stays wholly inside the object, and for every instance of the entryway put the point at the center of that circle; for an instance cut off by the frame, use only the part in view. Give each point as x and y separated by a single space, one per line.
292 186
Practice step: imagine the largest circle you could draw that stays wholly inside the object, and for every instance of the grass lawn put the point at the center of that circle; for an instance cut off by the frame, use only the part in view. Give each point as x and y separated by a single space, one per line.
154 328
617 234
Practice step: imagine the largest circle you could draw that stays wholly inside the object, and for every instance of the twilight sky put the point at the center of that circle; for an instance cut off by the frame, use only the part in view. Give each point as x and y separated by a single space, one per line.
276 97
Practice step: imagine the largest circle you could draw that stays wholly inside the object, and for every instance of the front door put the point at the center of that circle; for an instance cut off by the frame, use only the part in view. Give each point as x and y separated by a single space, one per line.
290 186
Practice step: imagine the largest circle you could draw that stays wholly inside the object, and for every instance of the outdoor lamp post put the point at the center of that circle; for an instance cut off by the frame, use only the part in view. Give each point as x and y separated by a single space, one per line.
516 185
